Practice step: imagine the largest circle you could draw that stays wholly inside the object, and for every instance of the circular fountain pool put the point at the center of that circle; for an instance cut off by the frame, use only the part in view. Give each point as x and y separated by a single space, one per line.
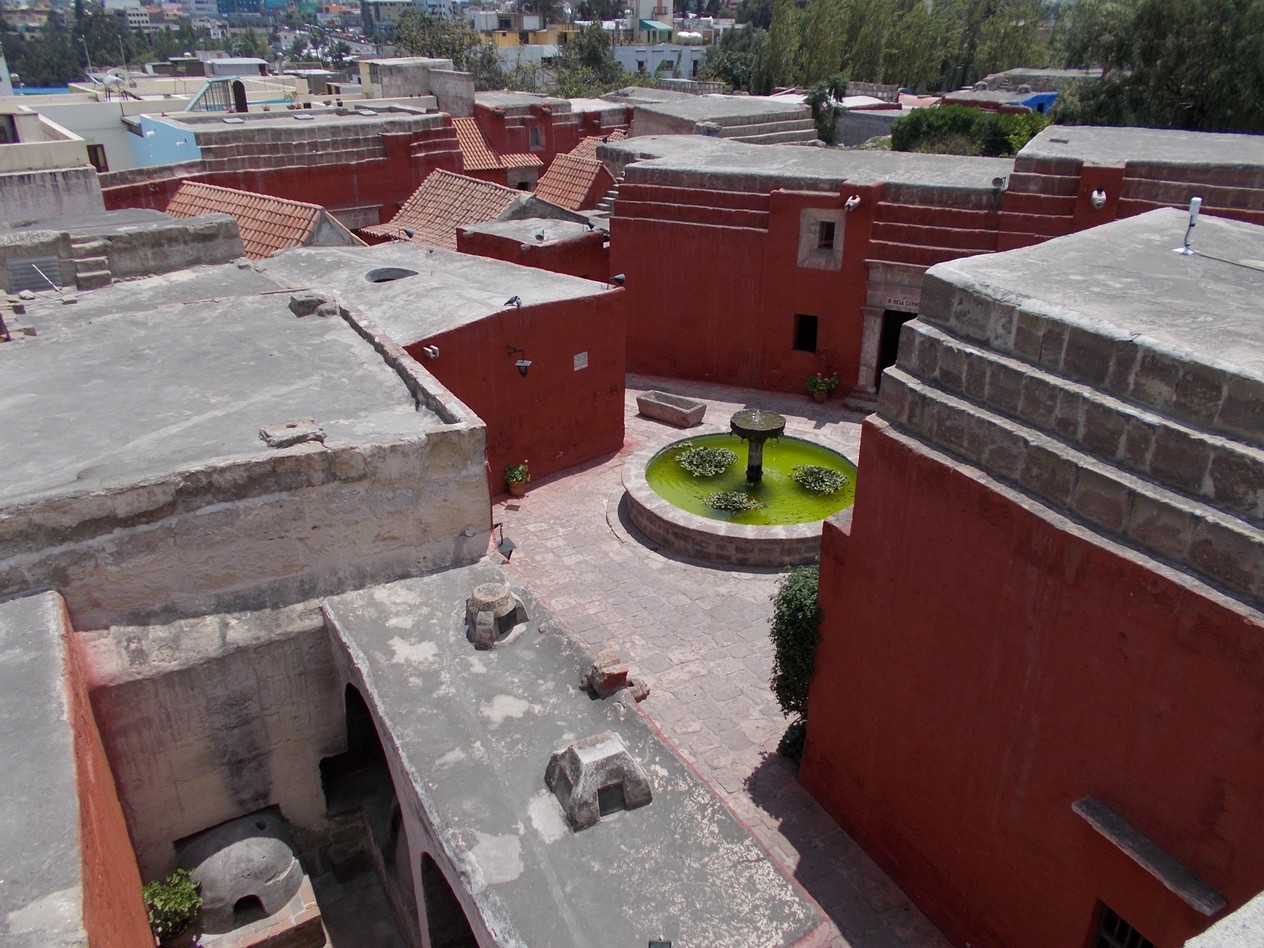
673 507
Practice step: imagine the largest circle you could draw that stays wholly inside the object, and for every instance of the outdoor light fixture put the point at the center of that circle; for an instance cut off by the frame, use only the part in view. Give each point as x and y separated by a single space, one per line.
1194 205
431 351
1098 199
506 546
521 364
851 203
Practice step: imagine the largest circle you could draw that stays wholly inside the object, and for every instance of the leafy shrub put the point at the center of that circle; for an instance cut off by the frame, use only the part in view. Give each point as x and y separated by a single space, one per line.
173 903
817 479
736 501
705 462
961 130
795 617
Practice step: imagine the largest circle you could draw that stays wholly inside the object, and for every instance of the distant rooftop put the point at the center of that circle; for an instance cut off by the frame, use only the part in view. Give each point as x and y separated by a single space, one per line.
153 376
506 99
702 108
479 155
449 289
1100 145
290 118
528 229
571 179
587 147
804 167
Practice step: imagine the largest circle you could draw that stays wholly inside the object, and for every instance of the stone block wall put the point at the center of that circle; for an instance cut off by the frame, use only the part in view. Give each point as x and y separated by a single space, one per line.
147 249
41 195
206 720
253 533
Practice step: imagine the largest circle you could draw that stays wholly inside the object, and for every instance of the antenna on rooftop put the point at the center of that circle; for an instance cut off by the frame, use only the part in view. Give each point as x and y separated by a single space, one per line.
1194 205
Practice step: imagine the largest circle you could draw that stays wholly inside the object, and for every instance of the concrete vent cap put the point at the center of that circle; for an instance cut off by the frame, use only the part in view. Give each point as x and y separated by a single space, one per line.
595 777
491 613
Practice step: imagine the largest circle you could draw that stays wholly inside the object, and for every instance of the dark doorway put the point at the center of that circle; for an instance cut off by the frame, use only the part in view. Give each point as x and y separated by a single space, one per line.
445 919
889 341
239 97
247 910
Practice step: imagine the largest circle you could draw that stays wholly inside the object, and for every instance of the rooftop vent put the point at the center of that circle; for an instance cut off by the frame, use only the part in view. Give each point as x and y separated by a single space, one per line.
491 614
596 777
387 274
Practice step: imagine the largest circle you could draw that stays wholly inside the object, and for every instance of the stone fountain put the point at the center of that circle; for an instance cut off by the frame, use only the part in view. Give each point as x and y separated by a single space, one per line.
755 426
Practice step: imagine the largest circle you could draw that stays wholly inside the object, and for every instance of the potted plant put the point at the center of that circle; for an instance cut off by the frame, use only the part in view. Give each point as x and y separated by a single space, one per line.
173 905
820 385
517 476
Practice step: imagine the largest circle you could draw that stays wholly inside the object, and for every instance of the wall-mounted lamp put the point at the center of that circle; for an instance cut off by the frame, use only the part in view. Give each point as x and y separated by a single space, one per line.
1194 206
431 352
505 546
851 203
1098 199
521 364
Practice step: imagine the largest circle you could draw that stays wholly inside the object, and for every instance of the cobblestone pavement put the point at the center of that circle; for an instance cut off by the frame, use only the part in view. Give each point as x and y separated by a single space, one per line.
699 634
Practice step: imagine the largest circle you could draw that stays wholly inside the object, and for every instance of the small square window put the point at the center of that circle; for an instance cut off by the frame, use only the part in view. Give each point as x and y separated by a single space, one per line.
1114 932
825 235
805 327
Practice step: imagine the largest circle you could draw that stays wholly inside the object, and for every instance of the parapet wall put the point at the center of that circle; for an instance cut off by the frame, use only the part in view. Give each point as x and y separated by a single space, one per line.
41 195
167 246
257 533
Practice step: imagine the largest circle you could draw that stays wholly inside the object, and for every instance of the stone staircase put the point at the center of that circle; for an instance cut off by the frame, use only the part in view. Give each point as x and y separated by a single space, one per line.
91 263
605 207
1102 429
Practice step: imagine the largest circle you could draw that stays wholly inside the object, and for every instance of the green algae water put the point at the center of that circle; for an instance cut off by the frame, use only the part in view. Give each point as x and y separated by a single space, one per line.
785 501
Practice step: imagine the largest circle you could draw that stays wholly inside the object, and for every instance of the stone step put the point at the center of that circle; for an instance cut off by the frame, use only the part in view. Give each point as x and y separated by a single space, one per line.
1208 468
87 264
1193 537
93 279
86 246
1213 398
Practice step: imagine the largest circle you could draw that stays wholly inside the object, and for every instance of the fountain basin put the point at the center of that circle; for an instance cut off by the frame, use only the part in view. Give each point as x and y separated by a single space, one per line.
713 540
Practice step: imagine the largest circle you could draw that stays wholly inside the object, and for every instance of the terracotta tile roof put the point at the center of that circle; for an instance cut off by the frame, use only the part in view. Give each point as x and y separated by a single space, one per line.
479 155
574 183
444 202
267 224
587 147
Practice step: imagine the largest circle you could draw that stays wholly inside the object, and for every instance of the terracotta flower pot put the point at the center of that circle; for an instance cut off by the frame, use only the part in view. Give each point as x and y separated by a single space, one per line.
517 488
819 396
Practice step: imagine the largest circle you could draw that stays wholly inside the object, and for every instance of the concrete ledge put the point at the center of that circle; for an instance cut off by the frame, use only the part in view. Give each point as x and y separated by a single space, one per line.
1150 856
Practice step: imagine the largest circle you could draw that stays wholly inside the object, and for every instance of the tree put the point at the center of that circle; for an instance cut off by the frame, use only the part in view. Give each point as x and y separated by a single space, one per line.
1197 65
734 59
421 34
783 47
821 48
823 99
599 9
585 65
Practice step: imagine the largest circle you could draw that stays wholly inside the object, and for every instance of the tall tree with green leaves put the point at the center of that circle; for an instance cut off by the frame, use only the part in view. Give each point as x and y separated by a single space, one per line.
421 34
783 46
821 48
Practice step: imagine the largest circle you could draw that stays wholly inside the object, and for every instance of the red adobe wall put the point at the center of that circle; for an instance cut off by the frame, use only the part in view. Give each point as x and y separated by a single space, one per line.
982 667
557 416
714 284
113 910
587 256
386 182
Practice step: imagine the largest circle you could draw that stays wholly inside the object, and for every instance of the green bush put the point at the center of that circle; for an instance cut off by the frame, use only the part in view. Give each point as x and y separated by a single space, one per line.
818 479
736 501
705 462
795 617
173 903
961 130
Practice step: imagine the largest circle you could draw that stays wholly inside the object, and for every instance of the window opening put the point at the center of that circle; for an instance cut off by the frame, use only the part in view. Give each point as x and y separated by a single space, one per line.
805 328
1114 932
825 235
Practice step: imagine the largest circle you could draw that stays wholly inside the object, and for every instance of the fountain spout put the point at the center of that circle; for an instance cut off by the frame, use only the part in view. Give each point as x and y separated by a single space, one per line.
755 426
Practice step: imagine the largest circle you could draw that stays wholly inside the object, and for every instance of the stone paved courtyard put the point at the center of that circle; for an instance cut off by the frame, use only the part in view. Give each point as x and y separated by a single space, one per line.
699 634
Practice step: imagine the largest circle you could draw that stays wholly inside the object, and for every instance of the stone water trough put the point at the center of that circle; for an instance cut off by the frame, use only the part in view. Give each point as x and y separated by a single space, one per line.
673 409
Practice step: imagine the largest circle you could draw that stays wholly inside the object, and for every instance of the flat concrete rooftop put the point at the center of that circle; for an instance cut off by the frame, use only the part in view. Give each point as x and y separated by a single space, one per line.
41 879
812 168
474 731
1114 146
527 229
1125 275
289 118
449 289
154 376
108 222
508 99
701 108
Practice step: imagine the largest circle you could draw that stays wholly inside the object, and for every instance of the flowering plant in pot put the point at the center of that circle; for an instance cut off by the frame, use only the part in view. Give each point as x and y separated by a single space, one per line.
517 476
820 384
